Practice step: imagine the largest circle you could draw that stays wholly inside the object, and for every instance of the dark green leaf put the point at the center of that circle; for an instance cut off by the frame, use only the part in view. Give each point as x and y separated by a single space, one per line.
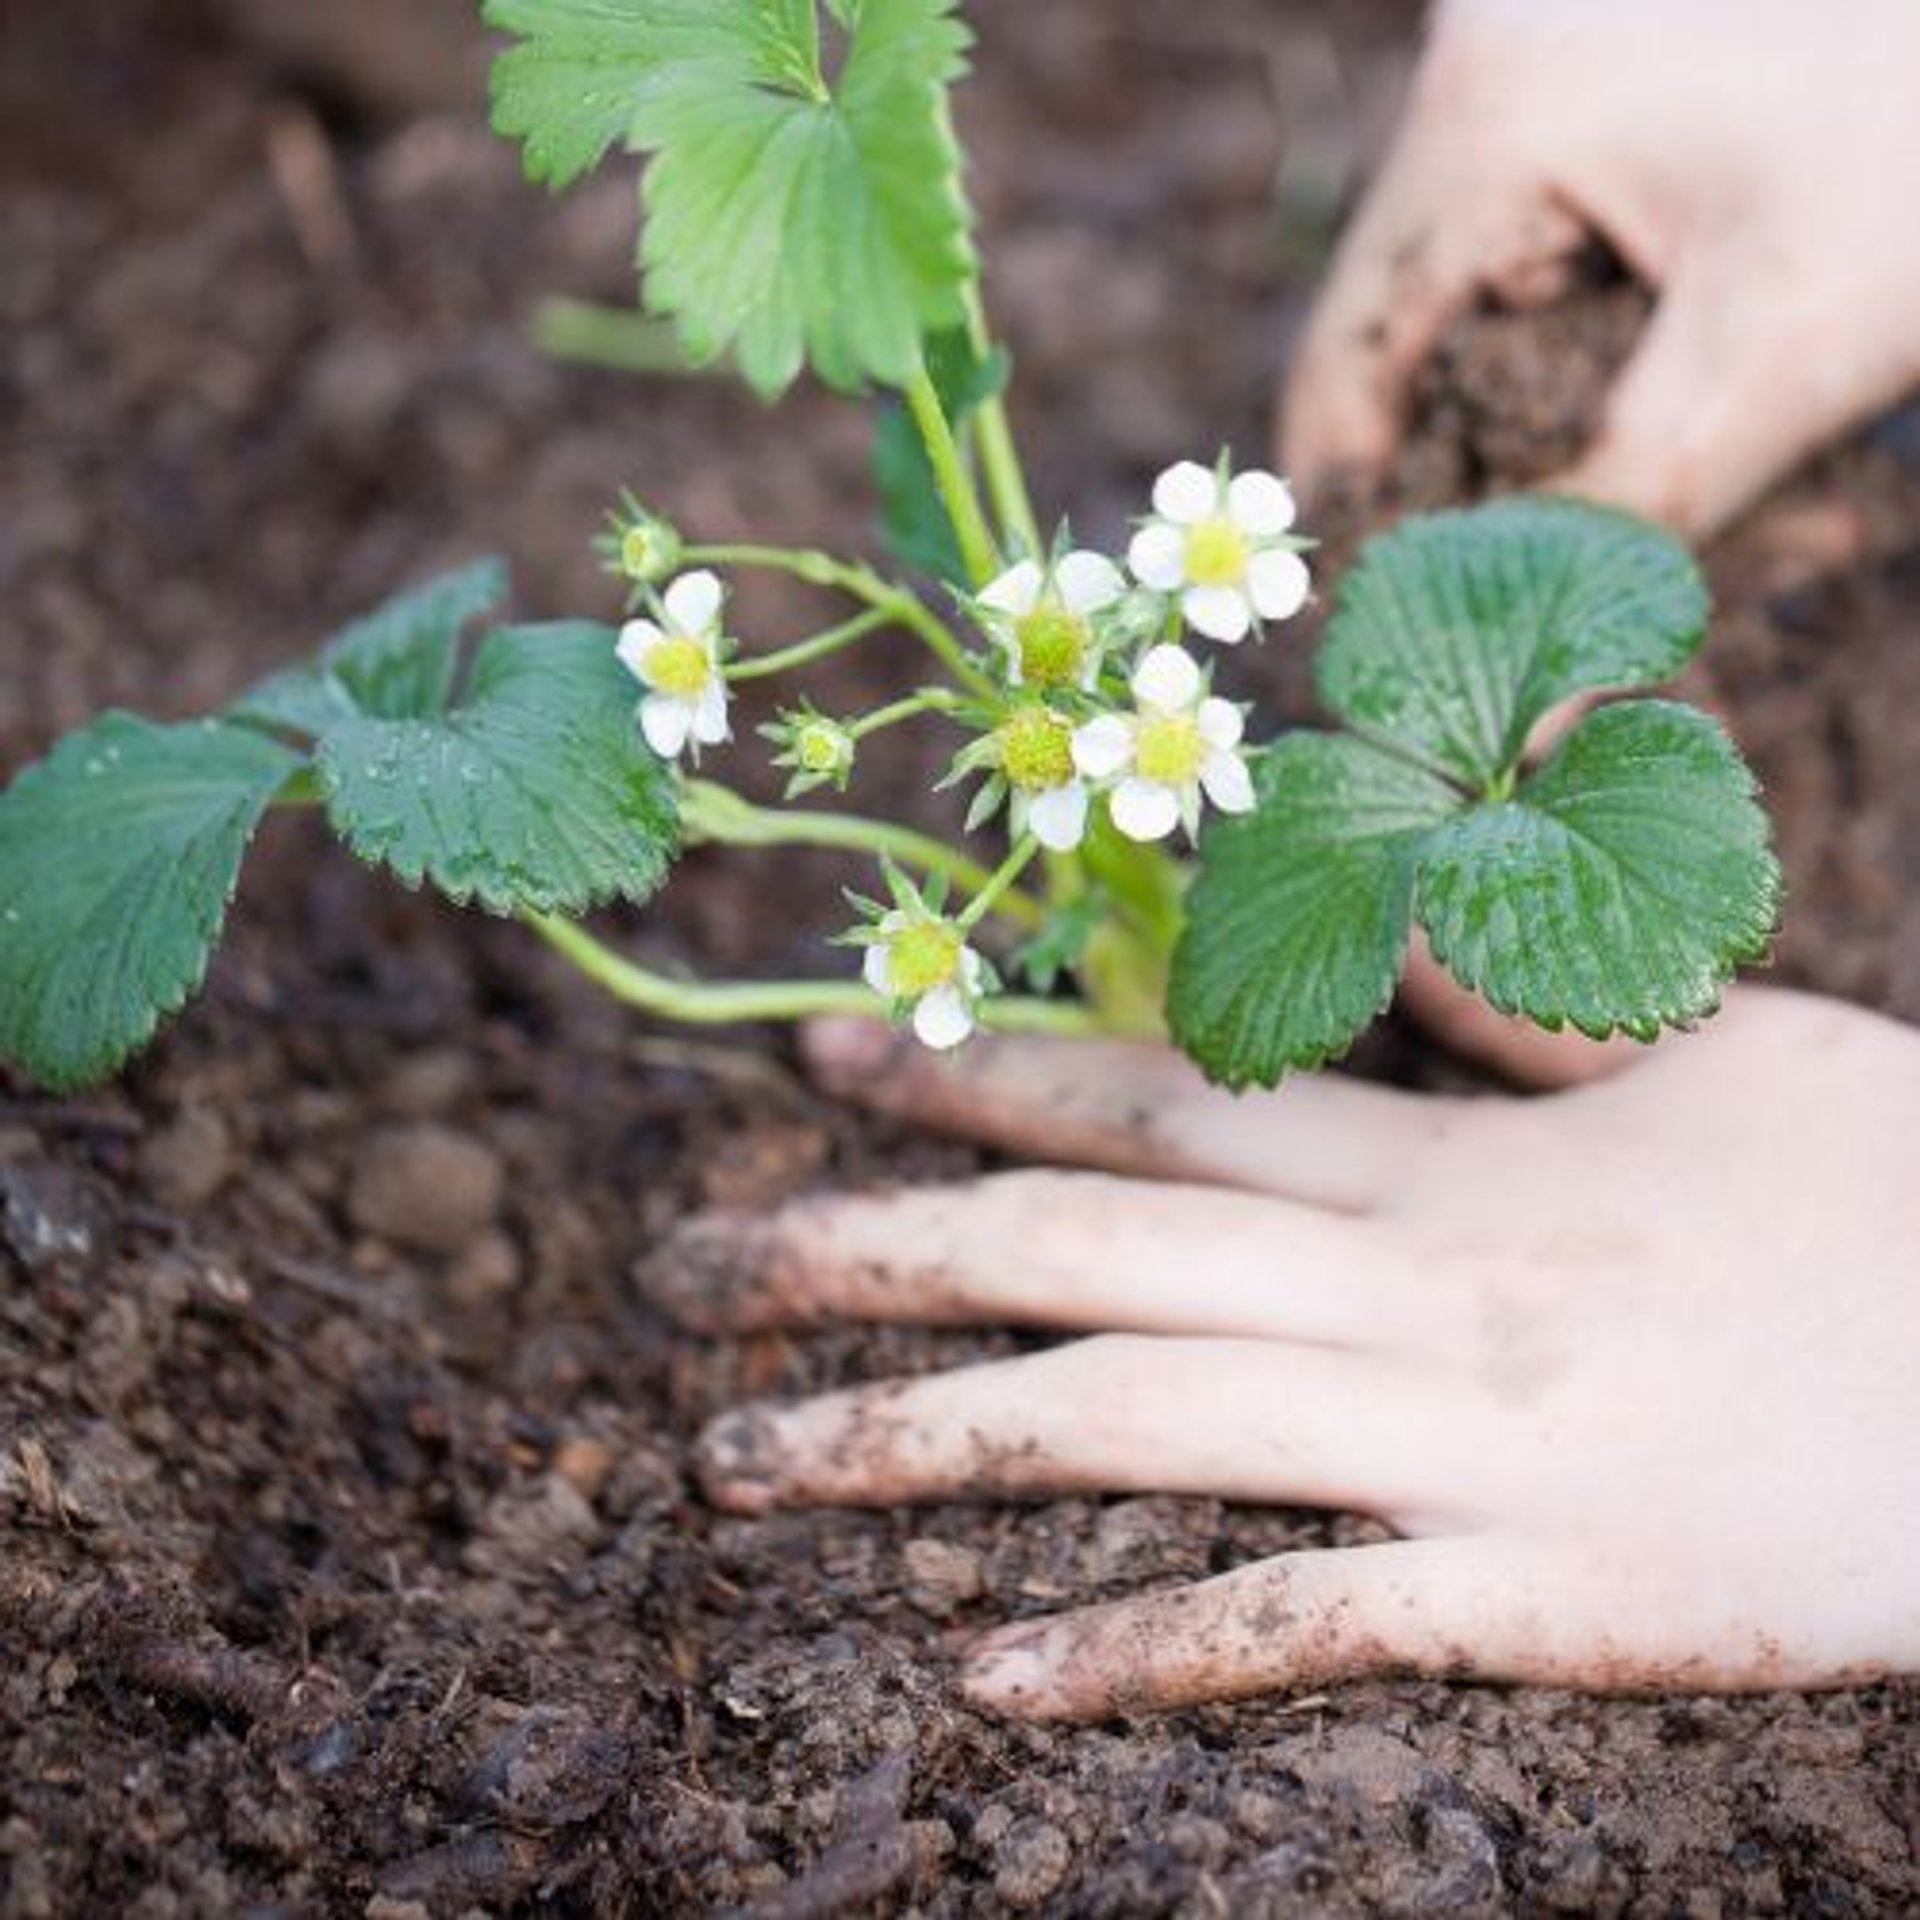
1620 889
536 794
118 858
913 517
1457 631
396 664
791 218
1298 922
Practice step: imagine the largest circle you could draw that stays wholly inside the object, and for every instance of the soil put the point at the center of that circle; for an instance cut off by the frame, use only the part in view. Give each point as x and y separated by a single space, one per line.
352 1563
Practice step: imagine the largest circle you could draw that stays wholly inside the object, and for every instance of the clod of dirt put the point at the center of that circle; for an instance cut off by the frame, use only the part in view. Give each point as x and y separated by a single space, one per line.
52 1219
426 1187
941 1577
189 1160
1031 1864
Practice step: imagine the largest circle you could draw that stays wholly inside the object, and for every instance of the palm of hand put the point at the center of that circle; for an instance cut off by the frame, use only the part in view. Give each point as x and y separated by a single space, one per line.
1636 1370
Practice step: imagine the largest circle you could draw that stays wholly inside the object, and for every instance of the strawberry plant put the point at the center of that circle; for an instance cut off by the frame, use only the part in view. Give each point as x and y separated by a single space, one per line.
1131 857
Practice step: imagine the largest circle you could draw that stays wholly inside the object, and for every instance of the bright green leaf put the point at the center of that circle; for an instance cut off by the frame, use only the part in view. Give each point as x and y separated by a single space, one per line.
396 664
118 858
794 218
1457 631
1298 922
913 518
1622 886
537 793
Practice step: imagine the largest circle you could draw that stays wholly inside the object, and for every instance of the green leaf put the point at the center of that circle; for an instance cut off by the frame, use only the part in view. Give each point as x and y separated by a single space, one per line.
1298 922
789 217
1457 631
118 858
397 664
537 793
1622 886
913 517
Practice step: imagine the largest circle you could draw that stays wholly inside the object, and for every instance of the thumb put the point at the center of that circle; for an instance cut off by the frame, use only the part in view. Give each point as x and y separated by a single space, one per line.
1729 389
1450 216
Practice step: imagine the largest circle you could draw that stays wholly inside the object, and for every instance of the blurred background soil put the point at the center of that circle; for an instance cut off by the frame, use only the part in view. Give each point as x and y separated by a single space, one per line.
350 1560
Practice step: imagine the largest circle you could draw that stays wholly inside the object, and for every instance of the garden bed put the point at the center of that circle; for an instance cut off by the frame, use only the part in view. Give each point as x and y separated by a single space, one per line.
351 1559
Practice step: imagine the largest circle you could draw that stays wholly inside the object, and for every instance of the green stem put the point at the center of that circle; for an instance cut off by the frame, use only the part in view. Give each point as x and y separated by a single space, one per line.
929 700
950 475
722 1003
618 339
804 652
717 813
999 456
989 896
862 583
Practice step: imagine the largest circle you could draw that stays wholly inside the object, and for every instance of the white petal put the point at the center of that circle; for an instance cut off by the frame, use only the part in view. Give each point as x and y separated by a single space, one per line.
693 602
1088 582
638 638
1016 592
1186 493
1158 556
1260 504
1167 678
1221 613
942 1019
1220 724
710 714
1278 583
1144 809
973 971
1058 817
1103 746
666 722
876 969
1228 783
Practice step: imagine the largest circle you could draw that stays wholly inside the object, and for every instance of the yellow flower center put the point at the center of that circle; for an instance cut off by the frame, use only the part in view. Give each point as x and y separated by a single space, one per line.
1216 553
921 957
638 556
1168 749
1036 750
820 748
1053 646
679 667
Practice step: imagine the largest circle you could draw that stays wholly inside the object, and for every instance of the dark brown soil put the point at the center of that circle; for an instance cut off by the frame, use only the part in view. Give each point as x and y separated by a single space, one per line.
351 1560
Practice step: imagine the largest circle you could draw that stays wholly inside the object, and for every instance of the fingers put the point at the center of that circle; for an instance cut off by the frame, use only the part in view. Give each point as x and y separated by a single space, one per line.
1140 1109
1725 394
1451 1606
1236 1419
1527 1055
1457 209
1044 1249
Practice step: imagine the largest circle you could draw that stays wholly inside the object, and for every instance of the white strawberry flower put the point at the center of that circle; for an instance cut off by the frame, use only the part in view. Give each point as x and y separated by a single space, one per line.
1042 618
920 959
1219 541
1180 743
678 661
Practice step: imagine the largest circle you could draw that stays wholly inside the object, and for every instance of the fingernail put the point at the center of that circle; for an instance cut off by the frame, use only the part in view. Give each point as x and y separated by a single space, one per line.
843 1051
1008 1672
736 1461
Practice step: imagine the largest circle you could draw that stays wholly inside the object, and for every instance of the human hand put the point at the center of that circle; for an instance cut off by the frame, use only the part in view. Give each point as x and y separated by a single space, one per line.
1746 157
1636 1368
